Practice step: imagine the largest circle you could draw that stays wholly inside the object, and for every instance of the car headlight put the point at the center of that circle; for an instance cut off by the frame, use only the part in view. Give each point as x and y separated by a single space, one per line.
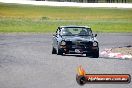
63 43
95 44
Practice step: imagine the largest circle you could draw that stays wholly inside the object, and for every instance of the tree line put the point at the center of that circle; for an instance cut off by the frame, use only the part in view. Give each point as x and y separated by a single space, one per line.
89 1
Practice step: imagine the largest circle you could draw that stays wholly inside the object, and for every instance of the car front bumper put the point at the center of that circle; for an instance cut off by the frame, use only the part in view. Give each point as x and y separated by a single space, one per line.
78 50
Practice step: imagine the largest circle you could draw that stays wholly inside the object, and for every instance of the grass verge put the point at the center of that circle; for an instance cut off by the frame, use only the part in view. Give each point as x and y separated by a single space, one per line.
29 18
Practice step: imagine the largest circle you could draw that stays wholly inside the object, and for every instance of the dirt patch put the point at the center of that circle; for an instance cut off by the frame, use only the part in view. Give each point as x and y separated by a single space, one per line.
123 50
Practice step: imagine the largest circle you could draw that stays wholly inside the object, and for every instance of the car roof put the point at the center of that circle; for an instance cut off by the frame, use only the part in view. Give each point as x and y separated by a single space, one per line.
73 26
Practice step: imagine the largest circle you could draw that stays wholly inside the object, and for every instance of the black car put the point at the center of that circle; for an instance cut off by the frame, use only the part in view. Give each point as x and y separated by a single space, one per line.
75 40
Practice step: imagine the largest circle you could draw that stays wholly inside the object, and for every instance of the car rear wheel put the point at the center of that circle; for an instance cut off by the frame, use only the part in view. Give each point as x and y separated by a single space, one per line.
96 54
53 50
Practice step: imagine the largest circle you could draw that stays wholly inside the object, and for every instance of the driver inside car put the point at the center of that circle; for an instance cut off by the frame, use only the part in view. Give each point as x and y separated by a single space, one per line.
66 32
83 32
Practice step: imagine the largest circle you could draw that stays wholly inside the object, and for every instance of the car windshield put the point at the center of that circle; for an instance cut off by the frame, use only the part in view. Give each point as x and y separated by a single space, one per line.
72 31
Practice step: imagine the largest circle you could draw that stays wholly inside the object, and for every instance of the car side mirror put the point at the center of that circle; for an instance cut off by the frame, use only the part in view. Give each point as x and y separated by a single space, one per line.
95 35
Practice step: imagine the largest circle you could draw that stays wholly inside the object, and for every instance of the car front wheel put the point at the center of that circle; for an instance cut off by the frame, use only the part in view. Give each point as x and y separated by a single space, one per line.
88 54
95 54
59 52
53 50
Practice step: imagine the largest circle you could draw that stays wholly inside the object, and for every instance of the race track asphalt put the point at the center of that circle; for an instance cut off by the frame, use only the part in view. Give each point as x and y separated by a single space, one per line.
26 62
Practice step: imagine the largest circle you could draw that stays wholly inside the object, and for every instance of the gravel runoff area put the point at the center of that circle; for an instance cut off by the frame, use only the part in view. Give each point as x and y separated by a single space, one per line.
119 52
70 4
127 50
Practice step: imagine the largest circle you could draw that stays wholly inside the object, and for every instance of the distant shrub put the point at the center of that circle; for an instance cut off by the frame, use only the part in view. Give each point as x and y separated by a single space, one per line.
45 18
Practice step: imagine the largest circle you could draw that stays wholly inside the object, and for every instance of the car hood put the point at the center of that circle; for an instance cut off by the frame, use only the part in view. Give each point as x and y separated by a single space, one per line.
78 38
